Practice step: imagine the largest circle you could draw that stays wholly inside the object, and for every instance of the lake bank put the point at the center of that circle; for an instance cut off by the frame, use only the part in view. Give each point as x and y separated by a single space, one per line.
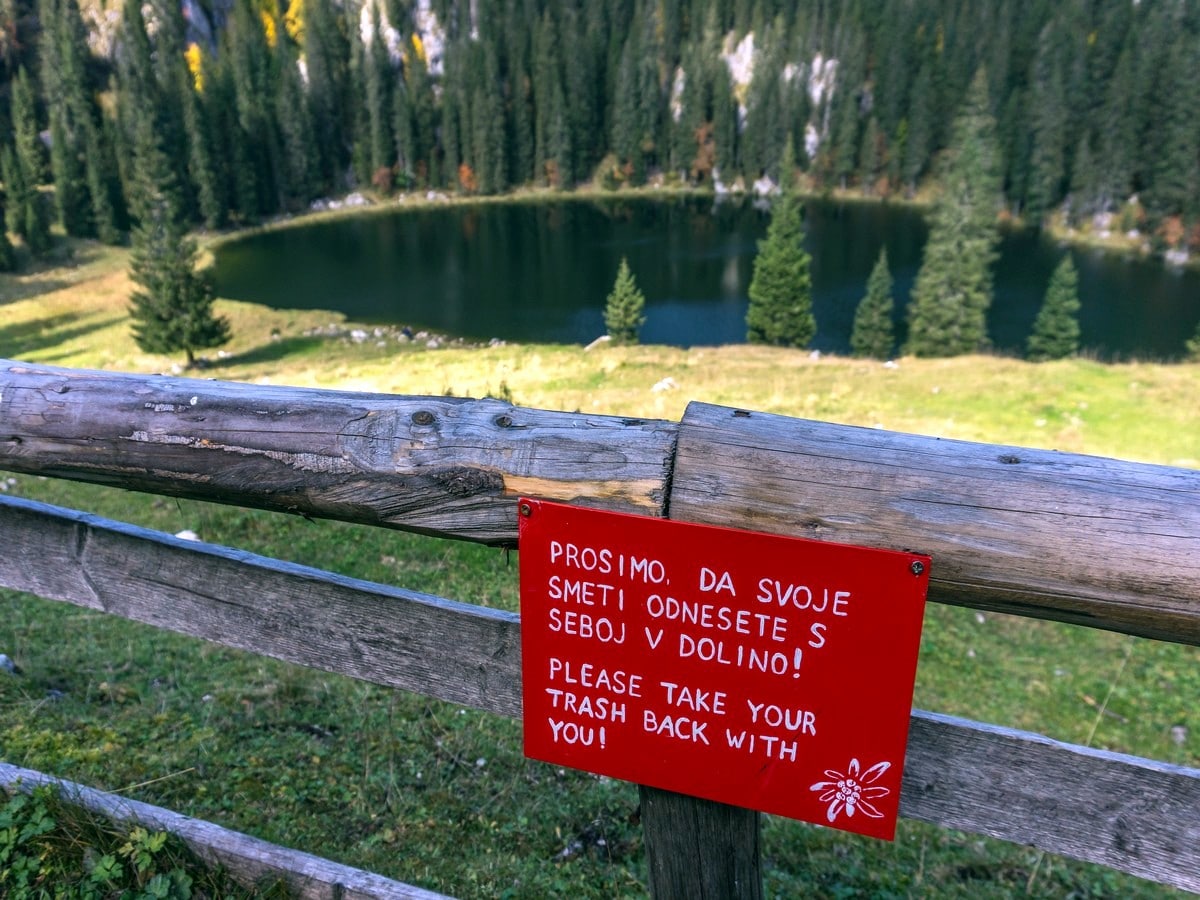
540 271
77 316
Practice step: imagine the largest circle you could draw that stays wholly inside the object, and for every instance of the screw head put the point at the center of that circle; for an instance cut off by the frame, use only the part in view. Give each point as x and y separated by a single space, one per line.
525 509
917 567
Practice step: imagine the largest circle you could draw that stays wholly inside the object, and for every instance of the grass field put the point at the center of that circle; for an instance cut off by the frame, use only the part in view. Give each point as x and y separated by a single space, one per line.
441 796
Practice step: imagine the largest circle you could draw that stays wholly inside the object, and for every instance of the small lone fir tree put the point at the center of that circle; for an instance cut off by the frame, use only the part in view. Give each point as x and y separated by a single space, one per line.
873 335
1056 329
780 310
172 310
625 307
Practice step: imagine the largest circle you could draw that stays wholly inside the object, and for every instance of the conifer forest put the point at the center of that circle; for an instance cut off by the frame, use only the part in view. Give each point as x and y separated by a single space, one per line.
263 106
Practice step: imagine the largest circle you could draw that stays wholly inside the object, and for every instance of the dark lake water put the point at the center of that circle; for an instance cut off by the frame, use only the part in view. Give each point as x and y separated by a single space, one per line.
541 272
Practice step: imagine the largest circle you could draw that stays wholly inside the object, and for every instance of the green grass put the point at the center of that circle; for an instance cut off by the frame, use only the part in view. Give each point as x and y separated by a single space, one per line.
50 848
441 796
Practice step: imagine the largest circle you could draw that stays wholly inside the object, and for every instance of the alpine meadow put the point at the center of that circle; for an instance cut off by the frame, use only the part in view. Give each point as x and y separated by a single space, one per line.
139 139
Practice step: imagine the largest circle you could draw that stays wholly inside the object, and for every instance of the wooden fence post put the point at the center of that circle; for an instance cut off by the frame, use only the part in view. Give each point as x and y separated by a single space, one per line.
700 849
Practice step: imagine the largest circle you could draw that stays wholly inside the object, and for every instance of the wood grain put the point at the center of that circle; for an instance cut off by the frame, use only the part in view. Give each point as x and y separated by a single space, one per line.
458 652
1081 539
249 861
700 850
437 465
1131 814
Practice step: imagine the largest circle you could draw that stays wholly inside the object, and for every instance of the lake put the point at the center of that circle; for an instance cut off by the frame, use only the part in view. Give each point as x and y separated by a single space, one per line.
541 272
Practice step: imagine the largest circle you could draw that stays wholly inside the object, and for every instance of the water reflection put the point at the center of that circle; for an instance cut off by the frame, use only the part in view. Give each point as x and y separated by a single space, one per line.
540 272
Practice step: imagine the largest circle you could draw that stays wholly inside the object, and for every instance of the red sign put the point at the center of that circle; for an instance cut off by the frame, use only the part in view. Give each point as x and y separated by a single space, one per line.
767 672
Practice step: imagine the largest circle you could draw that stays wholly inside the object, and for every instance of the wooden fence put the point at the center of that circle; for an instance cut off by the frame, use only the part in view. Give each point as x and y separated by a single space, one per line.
1086 540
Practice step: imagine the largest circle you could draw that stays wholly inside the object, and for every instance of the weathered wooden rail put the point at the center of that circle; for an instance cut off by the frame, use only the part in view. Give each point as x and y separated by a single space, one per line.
1091 541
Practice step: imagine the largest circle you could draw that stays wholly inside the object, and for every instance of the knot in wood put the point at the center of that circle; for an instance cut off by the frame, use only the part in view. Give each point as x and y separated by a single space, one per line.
422 417
462 481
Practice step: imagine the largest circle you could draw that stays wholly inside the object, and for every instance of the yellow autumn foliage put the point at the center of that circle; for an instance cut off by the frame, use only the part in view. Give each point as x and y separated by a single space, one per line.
419 47
269 28
293 21
195 64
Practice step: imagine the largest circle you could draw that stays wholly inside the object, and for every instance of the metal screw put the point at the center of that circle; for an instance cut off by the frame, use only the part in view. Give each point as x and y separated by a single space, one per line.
525 509
917 567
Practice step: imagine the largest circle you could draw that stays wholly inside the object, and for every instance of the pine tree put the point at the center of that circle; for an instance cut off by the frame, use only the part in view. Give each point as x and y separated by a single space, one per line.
81 190
1118 143
172 307
248 53
23 108
948 313
919 133
70 178
1056 328
624 310
24 165
27 213
725 124
873 335
326 60
378 79
780 309
521 169
104 186
626 136
844 144
870 157
299 170
1047 162
14 188
1175 158
8 256
203 166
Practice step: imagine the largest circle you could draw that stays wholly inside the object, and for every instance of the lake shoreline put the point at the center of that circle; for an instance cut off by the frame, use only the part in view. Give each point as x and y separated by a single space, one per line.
1116 243
536 267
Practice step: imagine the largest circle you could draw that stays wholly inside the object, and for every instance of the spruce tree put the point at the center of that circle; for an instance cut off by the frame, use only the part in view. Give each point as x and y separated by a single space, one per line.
378 81
725 124
780 309
76 157
299 170
919 132
27 213
624 310
172 306
873 335
326 62
1056 328
31 153
950 300
1047 162
870 157
203 166
71 197
8 256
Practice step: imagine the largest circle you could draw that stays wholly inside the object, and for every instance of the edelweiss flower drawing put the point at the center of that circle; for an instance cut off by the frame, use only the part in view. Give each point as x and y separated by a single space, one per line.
851 791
